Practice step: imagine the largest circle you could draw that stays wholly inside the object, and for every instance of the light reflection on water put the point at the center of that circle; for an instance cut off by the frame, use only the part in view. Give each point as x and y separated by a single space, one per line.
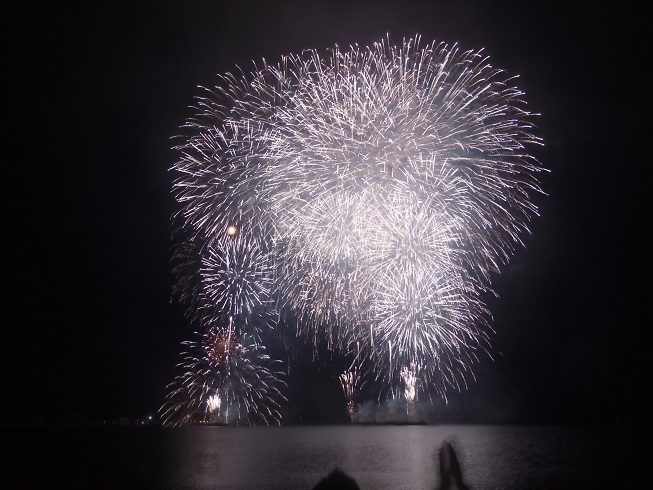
391 457
378 457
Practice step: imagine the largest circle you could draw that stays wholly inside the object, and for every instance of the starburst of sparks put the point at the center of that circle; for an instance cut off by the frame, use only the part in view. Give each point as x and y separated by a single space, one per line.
224 379
373 192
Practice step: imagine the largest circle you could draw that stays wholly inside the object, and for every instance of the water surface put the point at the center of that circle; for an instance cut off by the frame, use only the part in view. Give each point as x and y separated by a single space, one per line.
297 457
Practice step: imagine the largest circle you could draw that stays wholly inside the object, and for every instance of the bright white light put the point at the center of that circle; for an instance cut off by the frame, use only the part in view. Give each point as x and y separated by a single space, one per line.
383 188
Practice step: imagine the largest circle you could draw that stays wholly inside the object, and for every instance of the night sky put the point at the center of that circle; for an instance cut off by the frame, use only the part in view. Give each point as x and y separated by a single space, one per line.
95 92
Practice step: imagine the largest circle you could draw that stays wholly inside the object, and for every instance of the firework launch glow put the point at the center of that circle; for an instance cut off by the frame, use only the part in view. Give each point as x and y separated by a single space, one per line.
373 193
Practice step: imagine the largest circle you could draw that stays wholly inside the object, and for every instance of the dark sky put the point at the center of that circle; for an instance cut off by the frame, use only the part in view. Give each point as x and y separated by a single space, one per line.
95 91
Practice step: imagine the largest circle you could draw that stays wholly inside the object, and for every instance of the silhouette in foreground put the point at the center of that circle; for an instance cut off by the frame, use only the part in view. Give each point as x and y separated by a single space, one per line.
451 477
337 479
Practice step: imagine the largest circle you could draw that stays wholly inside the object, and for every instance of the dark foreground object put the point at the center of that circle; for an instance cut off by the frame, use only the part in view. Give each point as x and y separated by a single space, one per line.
451 477
337 479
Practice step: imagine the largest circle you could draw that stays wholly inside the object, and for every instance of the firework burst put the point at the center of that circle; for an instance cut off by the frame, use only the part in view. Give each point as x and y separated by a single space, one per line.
224 379
386 186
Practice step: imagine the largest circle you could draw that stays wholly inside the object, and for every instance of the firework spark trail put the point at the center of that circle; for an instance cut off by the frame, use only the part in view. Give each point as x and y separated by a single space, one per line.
410 379
226 376
350 381
390 184
230 276
237 277
221 373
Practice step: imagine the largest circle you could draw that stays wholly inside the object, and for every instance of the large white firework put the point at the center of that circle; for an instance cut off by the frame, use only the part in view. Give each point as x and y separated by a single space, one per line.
388 184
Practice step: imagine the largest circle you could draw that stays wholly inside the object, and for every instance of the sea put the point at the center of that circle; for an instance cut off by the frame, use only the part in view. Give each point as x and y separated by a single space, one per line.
299 457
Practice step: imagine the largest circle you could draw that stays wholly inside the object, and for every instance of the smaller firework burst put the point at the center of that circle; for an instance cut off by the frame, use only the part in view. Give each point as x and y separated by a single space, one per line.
224 379
351 382
237 276
409 376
